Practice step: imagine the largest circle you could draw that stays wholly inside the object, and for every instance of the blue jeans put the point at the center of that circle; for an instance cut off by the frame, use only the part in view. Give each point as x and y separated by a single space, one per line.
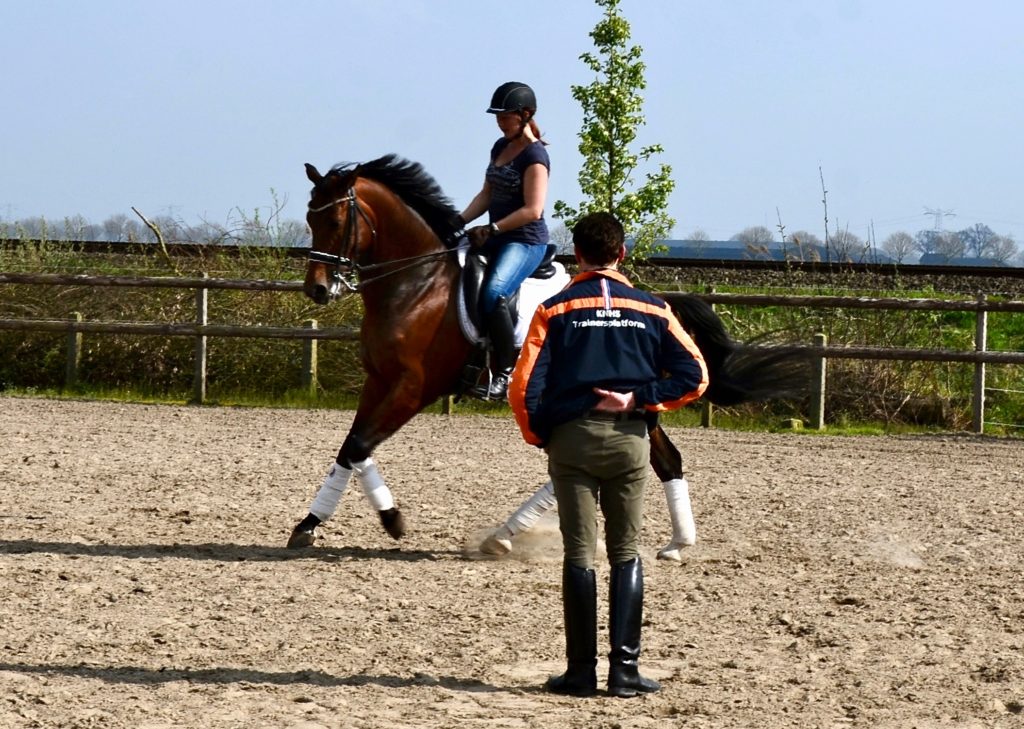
507 268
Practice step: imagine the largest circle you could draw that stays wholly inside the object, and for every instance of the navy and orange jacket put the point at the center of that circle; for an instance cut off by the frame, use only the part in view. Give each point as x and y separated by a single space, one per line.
599 331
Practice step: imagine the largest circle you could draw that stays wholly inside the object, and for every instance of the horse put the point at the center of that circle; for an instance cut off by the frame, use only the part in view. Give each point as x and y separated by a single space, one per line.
378 228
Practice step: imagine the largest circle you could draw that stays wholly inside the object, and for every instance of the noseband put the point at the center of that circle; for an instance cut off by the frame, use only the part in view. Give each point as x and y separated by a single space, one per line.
347 273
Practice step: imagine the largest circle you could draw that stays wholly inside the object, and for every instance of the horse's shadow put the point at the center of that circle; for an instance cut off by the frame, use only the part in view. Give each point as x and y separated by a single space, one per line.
222 552
217 676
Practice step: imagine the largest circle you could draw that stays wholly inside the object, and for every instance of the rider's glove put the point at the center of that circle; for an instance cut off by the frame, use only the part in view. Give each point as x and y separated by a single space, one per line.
479 234
456 230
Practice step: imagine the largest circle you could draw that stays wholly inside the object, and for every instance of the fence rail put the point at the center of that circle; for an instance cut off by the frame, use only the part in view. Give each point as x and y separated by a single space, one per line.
200 329
150 282
175 330
857 302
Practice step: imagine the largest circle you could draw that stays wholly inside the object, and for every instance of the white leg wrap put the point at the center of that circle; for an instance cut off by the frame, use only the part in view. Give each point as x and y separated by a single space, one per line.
540 502
327 498
373 485
677 494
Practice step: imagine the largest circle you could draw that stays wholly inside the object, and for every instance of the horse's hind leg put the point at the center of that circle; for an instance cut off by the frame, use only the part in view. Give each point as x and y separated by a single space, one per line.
499 542
668 464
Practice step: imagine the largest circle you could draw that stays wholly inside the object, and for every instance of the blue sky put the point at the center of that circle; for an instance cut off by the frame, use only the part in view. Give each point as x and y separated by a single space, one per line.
194 109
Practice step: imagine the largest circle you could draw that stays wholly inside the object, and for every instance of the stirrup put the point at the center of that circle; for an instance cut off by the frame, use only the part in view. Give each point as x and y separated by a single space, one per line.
496 389
470 381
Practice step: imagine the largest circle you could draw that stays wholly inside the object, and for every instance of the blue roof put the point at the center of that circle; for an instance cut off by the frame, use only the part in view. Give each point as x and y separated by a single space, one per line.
936 259
734 250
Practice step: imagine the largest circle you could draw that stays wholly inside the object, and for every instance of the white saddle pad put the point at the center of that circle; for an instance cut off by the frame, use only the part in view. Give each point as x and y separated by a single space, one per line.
532 294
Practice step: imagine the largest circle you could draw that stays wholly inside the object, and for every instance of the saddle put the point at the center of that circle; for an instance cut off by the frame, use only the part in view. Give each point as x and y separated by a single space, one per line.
473 270
547 279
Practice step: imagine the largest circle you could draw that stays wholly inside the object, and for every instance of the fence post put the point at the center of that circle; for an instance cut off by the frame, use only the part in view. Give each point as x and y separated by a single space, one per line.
199 376
707 414
309 360
980 345
818 367
74 352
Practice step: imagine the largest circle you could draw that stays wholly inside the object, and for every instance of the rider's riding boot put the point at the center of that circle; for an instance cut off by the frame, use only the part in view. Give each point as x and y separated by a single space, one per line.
499 384
579 601
502 333
625 612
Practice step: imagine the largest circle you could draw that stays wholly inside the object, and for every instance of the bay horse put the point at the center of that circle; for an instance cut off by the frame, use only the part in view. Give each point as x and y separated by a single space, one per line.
378 228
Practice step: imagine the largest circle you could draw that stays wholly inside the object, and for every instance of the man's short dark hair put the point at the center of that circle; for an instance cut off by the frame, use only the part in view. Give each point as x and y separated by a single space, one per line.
598 238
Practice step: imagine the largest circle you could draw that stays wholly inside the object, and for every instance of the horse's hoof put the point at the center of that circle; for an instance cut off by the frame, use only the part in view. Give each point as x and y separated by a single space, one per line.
673 551
393 522
301 538
496 546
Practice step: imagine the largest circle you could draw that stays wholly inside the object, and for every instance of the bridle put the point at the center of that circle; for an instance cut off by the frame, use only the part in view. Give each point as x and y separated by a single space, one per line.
348 273
344 266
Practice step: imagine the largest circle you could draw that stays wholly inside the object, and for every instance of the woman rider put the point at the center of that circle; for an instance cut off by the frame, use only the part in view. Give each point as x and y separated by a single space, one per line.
515 240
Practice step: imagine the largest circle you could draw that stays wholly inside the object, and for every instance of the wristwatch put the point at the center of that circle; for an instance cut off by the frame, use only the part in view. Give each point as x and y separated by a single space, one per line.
494 229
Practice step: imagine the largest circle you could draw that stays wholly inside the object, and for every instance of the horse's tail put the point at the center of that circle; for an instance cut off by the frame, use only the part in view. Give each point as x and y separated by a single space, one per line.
737 373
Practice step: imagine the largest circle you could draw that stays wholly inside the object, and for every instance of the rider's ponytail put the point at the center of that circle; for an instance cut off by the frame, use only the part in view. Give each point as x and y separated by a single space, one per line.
532 123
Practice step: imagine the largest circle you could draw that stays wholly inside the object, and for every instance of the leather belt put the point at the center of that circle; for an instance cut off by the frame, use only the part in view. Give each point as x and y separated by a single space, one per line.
617 417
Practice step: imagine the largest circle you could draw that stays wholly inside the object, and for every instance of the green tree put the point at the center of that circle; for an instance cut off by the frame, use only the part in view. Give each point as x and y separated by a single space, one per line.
612 112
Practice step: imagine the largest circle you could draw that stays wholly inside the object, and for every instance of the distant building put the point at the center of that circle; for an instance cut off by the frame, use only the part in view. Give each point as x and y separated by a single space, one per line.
734 250
936 259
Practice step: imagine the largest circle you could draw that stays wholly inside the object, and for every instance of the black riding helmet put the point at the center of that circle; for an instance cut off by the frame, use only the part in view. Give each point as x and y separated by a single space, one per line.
512 96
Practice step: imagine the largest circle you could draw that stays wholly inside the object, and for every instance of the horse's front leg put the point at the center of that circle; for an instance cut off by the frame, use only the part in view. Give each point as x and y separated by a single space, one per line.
382 411
353 459
325 503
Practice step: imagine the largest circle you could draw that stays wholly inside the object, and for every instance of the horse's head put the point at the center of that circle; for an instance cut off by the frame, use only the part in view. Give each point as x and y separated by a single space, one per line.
341 232
386 216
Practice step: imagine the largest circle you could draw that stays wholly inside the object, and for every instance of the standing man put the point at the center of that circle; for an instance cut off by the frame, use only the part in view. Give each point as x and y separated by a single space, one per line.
597 356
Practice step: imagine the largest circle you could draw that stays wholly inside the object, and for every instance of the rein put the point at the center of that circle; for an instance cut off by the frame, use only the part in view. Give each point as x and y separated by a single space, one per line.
345 267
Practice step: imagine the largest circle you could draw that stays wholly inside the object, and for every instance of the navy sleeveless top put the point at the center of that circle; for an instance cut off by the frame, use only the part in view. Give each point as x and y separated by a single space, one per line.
507 192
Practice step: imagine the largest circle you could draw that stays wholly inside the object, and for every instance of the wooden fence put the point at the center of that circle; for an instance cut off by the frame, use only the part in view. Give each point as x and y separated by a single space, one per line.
200 329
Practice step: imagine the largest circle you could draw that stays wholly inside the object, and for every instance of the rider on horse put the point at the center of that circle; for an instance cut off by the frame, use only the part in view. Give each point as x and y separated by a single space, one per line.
515 241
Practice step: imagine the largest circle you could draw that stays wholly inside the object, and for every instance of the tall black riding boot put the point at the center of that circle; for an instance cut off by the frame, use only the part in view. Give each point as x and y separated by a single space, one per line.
579 602
626 609
502 333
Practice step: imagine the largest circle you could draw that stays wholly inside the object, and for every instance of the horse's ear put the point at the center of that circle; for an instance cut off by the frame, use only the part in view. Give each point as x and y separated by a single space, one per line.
313 175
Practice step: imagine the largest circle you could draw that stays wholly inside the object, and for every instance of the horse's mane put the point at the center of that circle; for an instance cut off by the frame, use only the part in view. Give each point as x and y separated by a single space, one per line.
410 182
